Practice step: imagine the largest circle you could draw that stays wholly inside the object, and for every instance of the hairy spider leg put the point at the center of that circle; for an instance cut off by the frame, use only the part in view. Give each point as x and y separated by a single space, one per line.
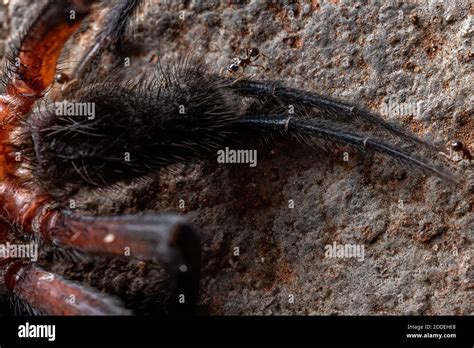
331 106
342 116
31 70
168 237
33 210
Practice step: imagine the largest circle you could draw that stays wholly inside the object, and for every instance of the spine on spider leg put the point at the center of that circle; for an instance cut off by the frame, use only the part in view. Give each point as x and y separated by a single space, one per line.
54 295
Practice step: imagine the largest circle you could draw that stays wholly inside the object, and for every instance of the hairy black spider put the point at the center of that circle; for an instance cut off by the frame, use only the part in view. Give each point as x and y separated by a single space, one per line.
137 126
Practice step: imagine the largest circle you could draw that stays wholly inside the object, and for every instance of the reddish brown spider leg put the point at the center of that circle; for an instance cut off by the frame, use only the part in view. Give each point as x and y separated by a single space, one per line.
32 70
36 59
54 295
50 293
169 238
165 237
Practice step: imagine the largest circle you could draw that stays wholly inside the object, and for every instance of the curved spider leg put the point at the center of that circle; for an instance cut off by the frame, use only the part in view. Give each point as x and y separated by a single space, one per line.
322 131
113 25
54 295
31 67
328 106
31 70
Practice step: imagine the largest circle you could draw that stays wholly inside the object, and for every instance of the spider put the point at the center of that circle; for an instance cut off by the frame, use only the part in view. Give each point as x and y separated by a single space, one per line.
178 114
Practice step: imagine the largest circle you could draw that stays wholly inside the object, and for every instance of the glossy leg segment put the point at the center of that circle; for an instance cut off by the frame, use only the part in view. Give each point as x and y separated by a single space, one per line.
168 238
54 295
33 65
31 70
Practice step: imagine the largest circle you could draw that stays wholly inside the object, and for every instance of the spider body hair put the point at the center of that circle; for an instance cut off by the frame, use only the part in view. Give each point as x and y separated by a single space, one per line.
178 114
139 125
182 113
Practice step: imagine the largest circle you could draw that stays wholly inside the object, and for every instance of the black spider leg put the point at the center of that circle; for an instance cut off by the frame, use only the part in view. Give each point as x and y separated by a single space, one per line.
330 107
323 132
113 27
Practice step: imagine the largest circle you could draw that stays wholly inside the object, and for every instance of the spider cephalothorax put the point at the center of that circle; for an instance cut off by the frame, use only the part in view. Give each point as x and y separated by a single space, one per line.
135 126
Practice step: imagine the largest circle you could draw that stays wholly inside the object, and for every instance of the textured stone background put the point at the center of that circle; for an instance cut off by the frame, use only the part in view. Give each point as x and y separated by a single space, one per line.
418 257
